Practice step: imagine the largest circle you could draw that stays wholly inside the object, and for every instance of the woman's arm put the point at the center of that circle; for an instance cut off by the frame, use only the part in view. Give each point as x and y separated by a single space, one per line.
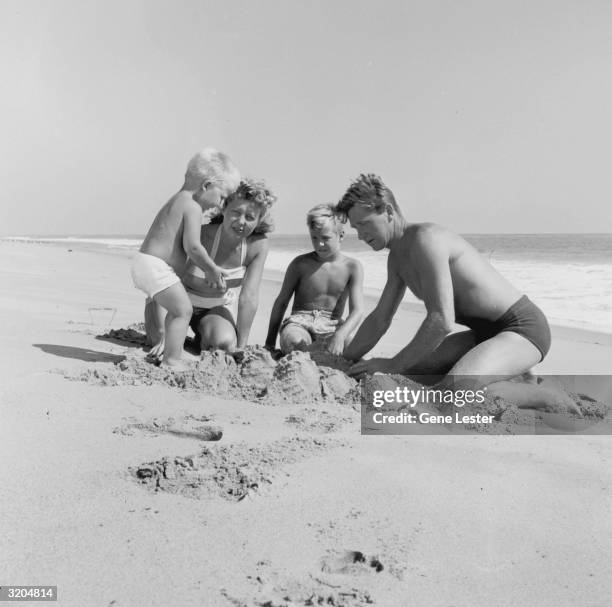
249 293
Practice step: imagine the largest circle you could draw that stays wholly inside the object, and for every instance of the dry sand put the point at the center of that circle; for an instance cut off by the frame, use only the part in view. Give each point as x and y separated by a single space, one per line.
132 488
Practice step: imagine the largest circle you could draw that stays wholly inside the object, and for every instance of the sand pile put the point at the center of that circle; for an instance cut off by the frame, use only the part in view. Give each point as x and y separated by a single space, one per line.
253 375
317 376
130 335
228 471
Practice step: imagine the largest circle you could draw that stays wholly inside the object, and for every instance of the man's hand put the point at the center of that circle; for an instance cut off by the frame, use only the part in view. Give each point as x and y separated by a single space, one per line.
335 345
215 277
375 365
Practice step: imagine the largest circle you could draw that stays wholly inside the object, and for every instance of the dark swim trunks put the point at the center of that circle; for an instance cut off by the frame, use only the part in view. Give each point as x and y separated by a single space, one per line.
523 317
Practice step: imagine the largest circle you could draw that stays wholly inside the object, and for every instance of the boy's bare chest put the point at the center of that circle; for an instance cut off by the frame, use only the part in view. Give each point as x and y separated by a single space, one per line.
326 279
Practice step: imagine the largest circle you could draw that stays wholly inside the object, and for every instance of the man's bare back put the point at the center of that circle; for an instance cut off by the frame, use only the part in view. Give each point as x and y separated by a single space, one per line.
478 289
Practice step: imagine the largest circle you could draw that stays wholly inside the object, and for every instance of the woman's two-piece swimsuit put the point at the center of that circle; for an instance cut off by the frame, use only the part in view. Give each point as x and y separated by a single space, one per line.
203 297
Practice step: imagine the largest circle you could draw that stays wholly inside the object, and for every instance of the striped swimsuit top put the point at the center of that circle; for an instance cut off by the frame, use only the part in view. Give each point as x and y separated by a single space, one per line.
205 296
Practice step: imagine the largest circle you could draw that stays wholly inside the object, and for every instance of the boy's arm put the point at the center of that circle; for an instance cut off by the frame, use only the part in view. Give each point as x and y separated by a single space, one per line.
431 257
249 293
377 322
345 330
289 286
192 227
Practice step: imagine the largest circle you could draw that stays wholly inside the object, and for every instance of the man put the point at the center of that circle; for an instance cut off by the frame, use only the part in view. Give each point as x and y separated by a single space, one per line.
507 335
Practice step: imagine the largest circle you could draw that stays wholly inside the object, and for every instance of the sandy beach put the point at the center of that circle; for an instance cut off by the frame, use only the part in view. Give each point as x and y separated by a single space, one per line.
298 507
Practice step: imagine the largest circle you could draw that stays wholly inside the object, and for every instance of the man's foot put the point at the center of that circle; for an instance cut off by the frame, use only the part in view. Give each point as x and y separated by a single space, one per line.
544 396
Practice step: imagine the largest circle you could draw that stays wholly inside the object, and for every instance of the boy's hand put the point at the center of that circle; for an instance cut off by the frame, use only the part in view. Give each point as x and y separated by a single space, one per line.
335 345
215 277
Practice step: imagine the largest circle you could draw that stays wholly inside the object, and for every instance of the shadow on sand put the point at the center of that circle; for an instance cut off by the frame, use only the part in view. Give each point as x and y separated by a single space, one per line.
80 353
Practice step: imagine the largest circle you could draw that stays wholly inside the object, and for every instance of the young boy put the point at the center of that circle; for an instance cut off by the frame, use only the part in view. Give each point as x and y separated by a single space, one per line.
175 235
320 282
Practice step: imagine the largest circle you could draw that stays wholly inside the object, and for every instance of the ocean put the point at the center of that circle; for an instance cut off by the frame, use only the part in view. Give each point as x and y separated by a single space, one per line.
568 275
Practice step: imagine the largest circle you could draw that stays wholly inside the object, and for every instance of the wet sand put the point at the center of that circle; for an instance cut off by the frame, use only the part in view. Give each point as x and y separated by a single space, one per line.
124 491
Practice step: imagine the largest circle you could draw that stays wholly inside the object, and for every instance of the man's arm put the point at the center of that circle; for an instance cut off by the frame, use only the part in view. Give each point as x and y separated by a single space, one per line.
192 227
249 293
431 258
377 323
288 288
355 287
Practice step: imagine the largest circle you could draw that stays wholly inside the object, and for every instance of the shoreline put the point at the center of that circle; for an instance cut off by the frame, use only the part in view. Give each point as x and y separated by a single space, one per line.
273 277
566 331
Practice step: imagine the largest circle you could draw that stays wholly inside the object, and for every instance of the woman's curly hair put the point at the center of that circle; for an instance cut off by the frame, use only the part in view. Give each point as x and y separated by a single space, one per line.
259 193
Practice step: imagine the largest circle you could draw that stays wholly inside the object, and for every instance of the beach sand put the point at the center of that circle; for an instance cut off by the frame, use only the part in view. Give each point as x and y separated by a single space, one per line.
267 502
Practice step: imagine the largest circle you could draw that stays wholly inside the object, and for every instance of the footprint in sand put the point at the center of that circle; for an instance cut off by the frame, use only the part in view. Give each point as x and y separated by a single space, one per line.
351 562
184 428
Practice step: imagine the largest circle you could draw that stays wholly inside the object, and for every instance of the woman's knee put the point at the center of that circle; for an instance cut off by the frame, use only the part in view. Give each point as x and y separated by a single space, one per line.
222 342
215 338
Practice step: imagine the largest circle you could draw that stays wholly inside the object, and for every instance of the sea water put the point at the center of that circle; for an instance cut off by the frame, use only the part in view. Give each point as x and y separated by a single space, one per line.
568 275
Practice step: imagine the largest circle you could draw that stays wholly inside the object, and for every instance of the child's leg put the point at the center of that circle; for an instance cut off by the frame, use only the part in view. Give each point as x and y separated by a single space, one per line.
294 337
154 316
179 308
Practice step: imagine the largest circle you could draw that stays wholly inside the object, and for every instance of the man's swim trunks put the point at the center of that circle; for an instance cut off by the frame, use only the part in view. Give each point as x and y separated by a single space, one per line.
523 317
318 323
152 274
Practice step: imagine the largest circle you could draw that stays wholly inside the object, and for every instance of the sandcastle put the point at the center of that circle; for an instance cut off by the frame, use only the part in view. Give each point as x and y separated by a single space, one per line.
253 375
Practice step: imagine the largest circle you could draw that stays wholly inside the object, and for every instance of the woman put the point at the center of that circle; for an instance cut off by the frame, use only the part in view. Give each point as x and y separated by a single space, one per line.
222 317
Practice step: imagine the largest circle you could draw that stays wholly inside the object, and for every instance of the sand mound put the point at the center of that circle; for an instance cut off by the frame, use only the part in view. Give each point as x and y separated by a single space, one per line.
318 377
228 471
257 369
296 378
129 335
325 359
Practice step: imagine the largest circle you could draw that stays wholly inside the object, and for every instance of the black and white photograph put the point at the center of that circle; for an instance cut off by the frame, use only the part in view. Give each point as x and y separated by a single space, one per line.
306 303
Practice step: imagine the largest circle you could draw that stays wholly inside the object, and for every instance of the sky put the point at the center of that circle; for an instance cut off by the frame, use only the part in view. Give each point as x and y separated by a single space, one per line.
484 116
